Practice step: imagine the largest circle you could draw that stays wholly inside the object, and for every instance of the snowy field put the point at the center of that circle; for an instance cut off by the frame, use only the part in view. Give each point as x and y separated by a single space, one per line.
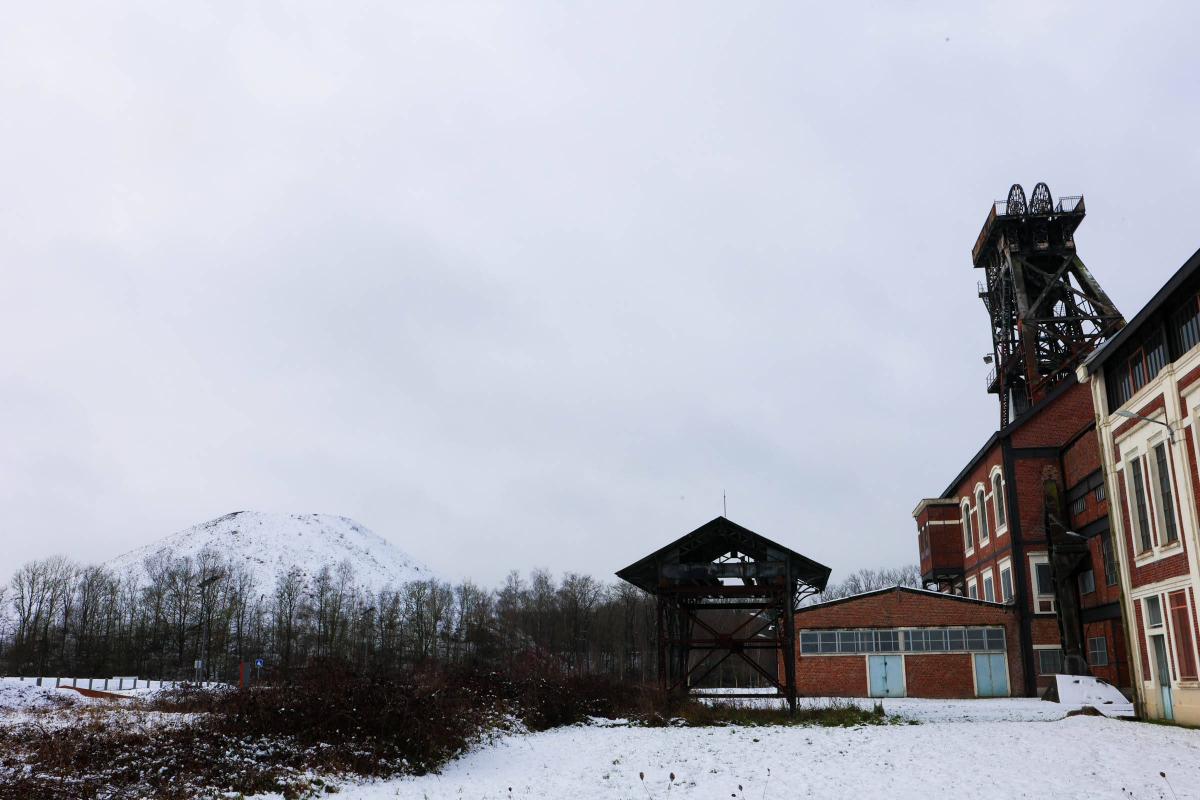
974 748
1010 748
26 703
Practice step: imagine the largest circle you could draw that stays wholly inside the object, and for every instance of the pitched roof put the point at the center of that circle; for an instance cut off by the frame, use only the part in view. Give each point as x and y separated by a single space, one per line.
958 598
1101 354
712 540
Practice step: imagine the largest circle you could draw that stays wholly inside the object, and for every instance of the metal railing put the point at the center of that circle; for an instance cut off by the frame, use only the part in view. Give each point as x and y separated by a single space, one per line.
1065 205
1068 204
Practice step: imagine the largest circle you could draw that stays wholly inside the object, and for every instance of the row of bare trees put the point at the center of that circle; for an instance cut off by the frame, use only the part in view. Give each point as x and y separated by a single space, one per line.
61 618
868 580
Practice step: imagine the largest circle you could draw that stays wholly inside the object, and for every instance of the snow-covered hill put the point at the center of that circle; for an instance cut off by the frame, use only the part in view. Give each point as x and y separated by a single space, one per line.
269 544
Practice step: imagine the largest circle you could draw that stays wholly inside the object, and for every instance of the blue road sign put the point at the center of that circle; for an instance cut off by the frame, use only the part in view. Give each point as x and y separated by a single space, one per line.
258 662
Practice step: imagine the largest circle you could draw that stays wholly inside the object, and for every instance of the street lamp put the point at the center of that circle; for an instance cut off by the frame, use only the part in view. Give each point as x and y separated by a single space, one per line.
1167 425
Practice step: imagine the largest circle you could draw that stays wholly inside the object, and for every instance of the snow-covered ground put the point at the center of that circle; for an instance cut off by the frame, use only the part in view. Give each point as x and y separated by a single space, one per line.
973 748
28 696
26 703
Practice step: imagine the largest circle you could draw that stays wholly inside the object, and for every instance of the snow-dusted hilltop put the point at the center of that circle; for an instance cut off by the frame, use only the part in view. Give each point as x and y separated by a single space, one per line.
268 544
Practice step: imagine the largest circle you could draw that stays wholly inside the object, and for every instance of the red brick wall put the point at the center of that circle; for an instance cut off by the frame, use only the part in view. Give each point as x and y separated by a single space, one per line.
1117 670
839 676
1104 593
1081 459
1058 422
939 675
832 676
939 537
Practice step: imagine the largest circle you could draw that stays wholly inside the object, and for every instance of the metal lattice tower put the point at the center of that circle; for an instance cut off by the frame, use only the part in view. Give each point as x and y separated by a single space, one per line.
1047 311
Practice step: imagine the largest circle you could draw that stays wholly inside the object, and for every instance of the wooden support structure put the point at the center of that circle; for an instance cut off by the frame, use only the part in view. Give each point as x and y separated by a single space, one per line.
724 591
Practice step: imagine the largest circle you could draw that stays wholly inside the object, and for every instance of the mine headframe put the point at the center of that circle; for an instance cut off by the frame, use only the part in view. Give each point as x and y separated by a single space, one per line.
724 591
1047 310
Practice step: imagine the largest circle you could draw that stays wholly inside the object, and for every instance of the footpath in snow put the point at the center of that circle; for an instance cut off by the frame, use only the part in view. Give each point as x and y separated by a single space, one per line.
1010 748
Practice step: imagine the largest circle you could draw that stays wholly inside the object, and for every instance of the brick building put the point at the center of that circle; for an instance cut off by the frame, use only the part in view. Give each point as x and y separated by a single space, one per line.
1145 384
1026 522
903 642
985 536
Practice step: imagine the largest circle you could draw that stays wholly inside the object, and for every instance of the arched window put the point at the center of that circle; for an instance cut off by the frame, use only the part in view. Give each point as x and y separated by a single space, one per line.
968 534
998 499
981 506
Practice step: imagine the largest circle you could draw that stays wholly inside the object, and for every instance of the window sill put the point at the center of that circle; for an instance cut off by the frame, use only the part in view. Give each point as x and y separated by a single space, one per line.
1157 554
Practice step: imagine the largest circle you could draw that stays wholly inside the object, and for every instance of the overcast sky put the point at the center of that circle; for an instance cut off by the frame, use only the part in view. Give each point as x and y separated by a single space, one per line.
525 285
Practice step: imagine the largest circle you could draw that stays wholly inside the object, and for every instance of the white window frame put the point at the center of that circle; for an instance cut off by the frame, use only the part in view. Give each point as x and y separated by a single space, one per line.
1151 468
1006 564
1139 535
996 479
973 588
986 580
985 529
1038 596
1091 639
1138 447
1037 659
967 527
1157 598
1169 624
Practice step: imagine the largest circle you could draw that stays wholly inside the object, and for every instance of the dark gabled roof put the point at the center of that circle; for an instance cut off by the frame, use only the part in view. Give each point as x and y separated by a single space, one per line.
908 589
712 540
1161 297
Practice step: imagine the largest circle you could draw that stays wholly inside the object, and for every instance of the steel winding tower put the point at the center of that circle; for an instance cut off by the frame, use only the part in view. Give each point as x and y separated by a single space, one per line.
1047 311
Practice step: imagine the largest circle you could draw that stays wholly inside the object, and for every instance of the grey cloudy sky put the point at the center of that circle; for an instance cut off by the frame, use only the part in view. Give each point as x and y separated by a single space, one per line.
521 285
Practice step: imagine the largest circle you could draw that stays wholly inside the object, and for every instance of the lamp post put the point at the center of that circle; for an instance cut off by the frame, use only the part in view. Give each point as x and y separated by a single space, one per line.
1167 425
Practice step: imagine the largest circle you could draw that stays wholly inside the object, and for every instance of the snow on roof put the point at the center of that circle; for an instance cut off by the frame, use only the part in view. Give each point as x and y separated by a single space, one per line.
898 588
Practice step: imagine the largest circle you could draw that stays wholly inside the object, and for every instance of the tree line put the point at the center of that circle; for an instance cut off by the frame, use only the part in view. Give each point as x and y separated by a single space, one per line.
63 618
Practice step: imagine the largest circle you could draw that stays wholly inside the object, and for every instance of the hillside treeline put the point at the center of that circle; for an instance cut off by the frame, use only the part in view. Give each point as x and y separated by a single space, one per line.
62 618
65 619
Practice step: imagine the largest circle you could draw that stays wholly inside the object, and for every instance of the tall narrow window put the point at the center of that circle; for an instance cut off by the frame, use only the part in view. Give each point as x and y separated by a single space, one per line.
1006 586
989 590
1043 584
1166 501
1045 579
1110 561
983 520
1087 581
968 534
1153 612
1187 325
998 499
1182 629
1098 651
1139 502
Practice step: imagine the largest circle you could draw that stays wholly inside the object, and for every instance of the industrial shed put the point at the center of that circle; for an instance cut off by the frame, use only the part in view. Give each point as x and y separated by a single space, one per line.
904 642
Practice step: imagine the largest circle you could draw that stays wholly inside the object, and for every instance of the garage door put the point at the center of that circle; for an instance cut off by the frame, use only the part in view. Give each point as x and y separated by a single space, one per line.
991 675
887 675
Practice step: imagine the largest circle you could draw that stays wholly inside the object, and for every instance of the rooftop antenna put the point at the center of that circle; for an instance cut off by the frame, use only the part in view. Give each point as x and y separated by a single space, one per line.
724 506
